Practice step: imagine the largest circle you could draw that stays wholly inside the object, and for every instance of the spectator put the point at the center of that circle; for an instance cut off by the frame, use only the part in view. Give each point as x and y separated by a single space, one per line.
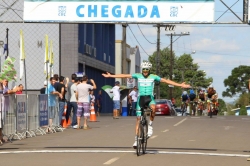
52 100
6 90
71 100
1 118
116 99
92 97
61 89
42 90
83 103
133 95
129 100
99 103
19 89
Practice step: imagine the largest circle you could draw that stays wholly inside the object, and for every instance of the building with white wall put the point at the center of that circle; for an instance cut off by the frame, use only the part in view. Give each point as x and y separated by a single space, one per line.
133 60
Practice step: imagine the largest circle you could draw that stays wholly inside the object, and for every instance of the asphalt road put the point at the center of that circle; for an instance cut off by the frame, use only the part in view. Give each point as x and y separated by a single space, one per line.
177 141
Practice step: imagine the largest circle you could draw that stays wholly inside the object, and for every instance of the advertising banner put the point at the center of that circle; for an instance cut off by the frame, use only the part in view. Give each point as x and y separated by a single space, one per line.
21 113
131 11
43 110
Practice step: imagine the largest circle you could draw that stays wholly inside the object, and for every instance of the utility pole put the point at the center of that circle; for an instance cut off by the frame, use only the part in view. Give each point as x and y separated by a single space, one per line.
124 53
158 57
158 61
172 59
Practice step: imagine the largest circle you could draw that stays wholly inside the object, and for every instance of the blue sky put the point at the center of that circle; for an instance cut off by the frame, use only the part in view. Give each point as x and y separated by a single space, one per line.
219 48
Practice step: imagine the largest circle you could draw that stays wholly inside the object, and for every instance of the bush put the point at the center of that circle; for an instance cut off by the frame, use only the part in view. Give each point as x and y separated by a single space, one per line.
243 110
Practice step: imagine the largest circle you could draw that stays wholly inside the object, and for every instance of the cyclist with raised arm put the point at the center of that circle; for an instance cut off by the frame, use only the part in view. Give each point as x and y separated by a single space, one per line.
145 90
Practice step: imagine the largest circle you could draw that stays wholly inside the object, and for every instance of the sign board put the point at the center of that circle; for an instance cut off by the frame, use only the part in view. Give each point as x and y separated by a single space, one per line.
130 83
117 11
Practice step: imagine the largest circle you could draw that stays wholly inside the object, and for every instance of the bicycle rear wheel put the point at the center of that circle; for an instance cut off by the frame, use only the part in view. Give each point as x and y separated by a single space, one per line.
145 137
139 140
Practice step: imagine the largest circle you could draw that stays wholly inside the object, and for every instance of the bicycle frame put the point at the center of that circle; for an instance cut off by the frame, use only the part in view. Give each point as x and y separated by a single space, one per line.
142 133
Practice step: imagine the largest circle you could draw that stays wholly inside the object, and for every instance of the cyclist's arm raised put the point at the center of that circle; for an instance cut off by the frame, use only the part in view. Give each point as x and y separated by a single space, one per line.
183 85
108 75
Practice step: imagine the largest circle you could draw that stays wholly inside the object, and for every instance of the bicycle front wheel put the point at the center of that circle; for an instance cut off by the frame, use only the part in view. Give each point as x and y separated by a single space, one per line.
139 140
145 137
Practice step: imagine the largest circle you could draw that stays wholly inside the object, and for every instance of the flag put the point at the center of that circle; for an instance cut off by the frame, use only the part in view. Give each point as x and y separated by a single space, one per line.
5 47
46 57
22 54
51 58
107 89
8 71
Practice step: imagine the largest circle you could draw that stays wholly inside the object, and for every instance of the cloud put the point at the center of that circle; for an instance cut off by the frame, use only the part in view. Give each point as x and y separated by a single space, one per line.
216 45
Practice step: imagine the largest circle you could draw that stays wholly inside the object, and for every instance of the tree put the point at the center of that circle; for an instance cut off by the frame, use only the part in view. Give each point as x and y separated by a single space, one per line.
184 70
243 110
222 106
237 82
243 100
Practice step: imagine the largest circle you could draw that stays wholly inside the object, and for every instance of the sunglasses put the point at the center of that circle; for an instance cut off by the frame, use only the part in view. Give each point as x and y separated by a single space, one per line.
145 69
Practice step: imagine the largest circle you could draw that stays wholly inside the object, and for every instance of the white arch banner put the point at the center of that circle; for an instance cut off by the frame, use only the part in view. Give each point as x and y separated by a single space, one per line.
131 11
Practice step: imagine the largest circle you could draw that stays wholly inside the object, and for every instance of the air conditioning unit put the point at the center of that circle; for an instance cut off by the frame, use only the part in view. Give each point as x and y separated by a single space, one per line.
104 56
94 52
86 48
90 50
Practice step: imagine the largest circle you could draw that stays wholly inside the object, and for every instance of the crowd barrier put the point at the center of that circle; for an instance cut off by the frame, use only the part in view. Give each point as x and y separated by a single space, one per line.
23 117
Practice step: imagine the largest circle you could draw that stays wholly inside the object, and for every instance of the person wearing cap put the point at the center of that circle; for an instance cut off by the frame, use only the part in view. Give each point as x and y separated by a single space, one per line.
116 99
146 82
184 99
42 90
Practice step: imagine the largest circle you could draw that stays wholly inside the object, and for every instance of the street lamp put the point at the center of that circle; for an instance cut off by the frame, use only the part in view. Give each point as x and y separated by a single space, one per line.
171 57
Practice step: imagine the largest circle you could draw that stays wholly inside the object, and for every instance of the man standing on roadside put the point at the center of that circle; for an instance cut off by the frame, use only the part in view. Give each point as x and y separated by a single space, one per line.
71 100
116 99
133 98
52 100
61 89
83 102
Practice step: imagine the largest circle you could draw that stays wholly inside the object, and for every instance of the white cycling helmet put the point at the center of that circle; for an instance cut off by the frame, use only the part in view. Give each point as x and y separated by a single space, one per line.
146 65
184 92
211 86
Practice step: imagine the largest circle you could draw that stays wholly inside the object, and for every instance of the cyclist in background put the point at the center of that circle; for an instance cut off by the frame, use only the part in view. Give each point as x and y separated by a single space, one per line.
146 82
215 102
192 97
201 101
184 99
210 92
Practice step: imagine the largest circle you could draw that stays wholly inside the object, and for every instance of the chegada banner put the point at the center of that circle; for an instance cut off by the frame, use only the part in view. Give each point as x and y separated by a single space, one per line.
117 11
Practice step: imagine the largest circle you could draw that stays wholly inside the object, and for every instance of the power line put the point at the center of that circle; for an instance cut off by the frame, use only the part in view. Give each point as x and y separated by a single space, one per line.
144 35
137 40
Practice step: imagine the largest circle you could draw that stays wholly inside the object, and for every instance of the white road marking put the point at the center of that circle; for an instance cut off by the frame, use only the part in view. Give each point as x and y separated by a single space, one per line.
165 131
153 137
111 161
121 151
180 122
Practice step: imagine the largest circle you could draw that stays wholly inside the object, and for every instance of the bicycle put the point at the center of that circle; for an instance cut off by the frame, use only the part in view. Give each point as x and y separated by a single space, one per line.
183 109
142 131
211 109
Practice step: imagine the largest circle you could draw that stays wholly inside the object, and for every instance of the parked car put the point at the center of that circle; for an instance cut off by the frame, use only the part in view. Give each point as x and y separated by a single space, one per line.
162 107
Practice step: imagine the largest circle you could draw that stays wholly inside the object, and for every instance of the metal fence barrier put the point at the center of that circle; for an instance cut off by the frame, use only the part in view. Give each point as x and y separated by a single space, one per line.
26 117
